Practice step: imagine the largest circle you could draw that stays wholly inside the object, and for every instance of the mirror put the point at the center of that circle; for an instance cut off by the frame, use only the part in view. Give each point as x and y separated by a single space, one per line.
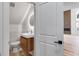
32 20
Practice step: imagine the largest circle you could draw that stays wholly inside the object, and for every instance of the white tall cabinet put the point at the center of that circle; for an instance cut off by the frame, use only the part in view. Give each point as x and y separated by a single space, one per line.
49 29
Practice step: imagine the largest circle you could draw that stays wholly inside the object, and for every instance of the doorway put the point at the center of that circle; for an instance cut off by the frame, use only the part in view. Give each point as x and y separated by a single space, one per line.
67 22
71 33
21 22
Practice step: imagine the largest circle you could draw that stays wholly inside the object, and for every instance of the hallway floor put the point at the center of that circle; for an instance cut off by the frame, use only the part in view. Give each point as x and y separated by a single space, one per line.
71 45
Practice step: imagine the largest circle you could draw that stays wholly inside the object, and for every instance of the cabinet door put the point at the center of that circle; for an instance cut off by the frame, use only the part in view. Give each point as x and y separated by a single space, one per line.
24 44
47 17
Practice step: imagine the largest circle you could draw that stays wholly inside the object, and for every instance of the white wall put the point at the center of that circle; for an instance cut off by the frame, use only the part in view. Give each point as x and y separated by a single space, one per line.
16 15
25 26
17 12
14 32
74 30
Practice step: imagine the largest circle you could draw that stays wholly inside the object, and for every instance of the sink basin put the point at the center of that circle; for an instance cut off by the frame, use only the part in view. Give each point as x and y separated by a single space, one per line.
27 35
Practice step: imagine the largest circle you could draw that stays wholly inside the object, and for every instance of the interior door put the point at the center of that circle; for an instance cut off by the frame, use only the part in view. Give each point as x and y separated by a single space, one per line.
47 12
49 29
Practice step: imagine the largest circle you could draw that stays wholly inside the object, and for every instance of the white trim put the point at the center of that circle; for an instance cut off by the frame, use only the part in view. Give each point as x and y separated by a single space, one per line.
5 29
1 28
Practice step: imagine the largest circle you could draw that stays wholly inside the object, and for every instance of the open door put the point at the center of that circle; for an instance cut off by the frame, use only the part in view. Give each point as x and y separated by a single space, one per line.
49 29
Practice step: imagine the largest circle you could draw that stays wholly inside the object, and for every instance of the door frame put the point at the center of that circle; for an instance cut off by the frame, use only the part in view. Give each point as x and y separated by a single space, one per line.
1 29
5 28
6 25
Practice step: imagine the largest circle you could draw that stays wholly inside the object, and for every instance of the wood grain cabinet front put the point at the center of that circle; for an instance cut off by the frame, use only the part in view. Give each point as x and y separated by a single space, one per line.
27 44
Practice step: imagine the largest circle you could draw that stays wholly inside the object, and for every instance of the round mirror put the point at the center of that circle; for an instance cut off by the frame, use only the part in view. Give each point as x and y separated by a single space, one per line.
32 20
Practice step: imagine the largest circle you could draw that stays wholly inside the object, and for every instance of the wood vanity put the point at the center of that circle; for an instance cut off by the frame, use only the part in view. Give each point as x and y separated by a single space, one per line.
27 45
